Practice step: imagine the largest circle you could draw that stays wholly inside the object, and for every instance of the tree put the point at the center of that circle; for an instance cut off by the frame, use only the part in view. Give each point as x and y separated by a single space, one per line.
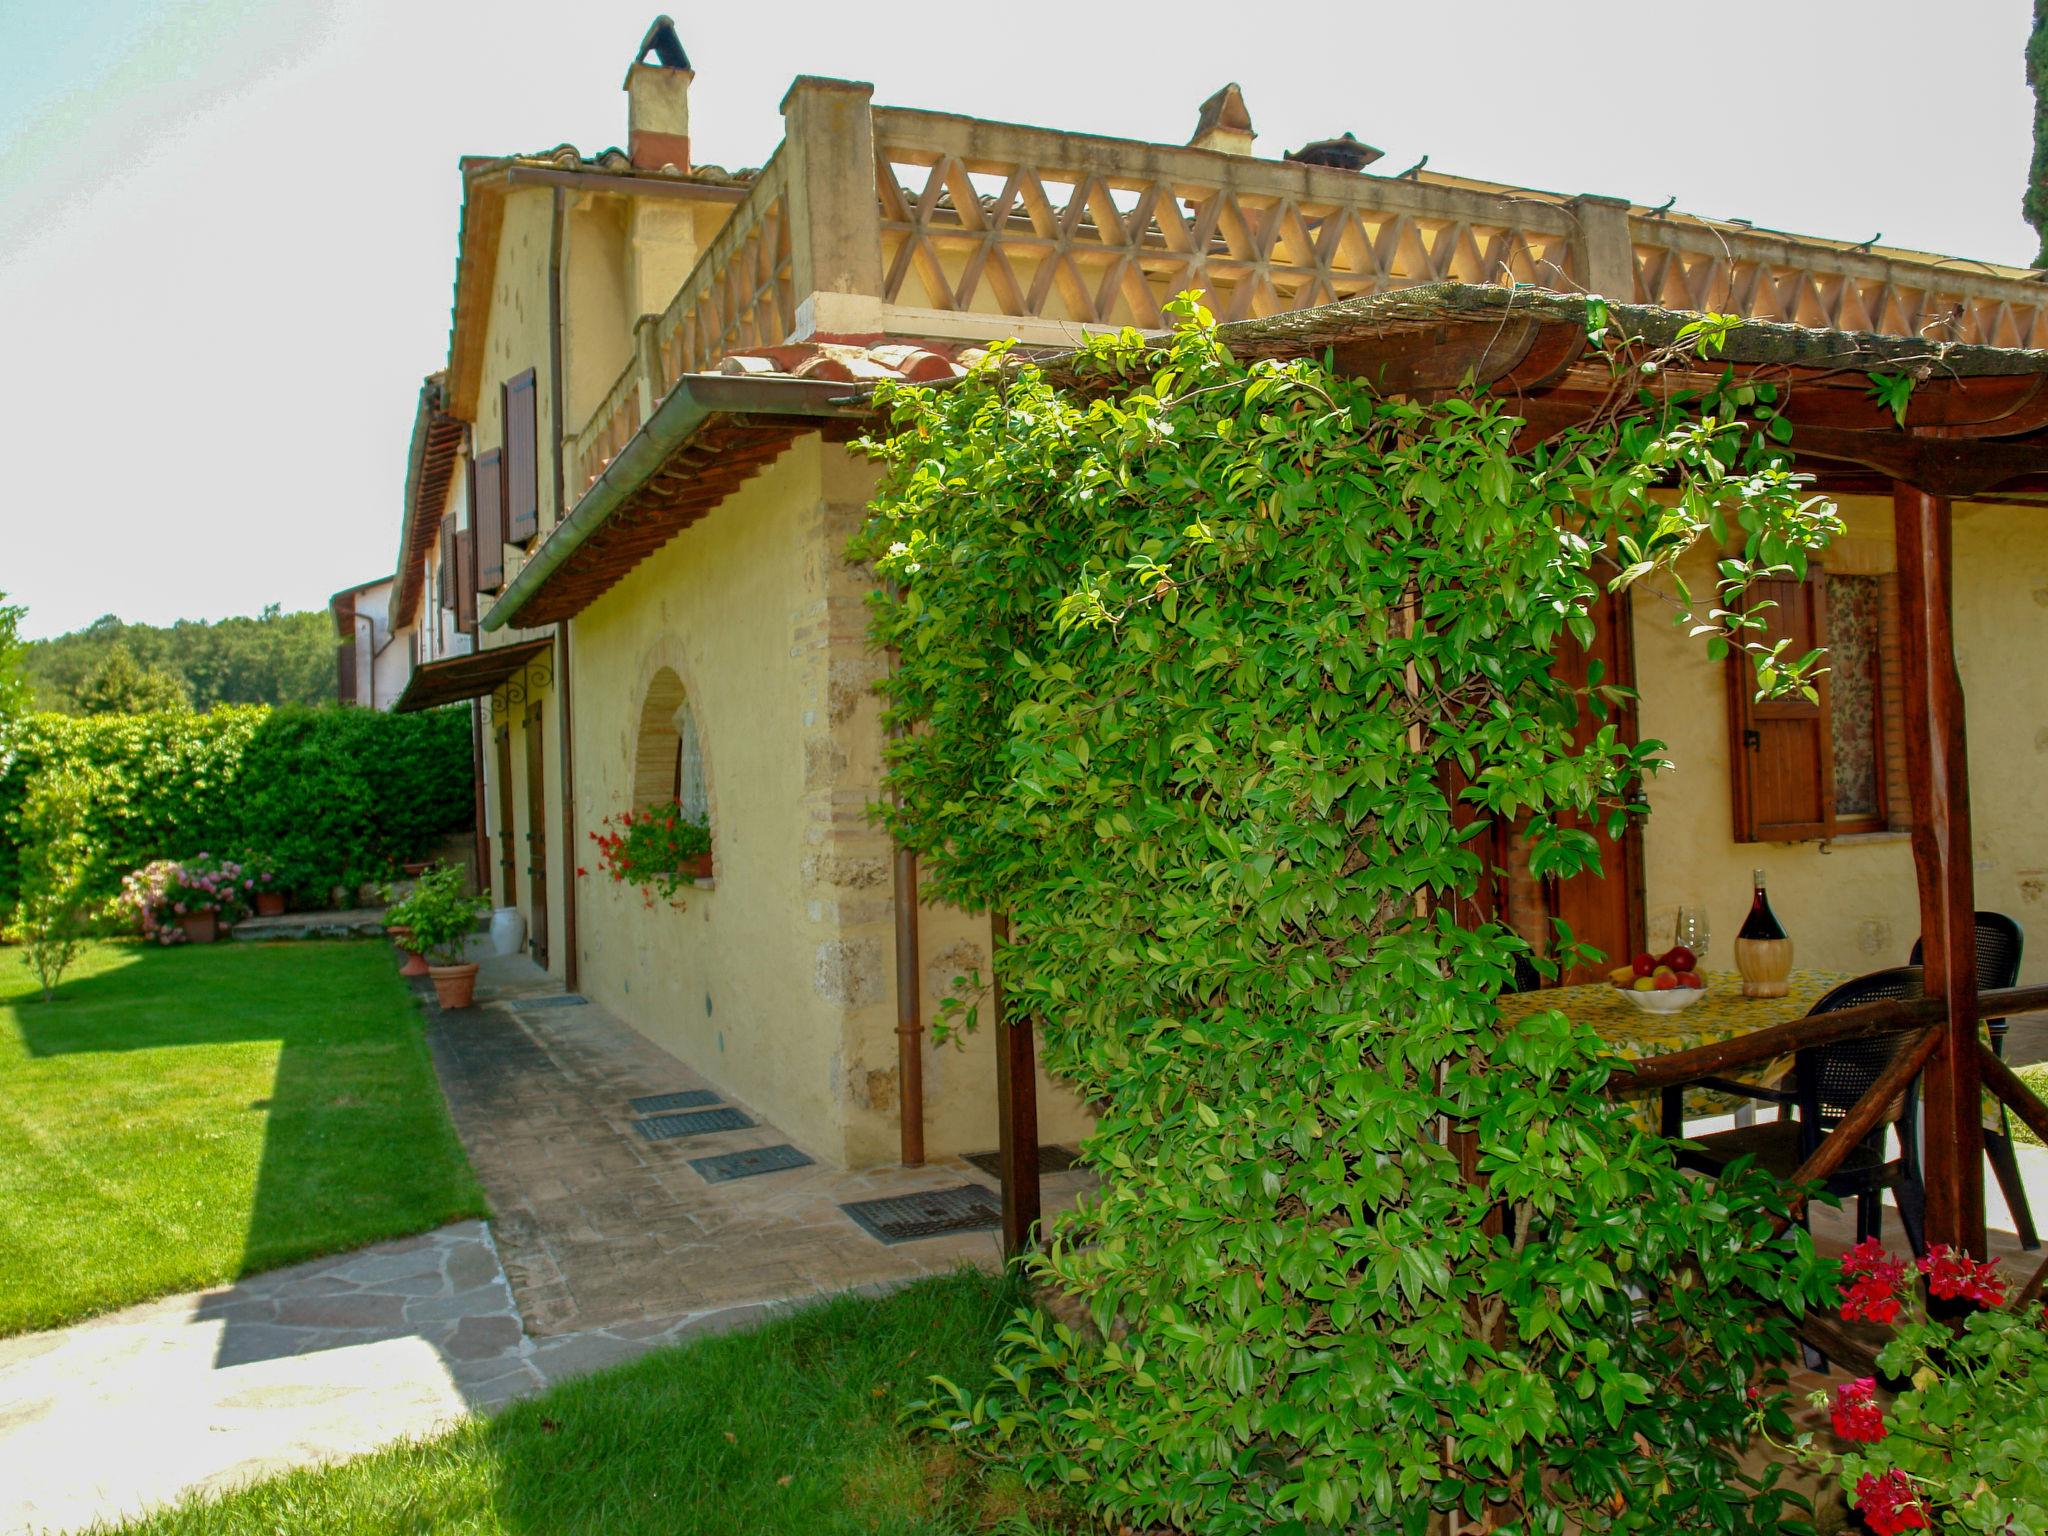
2035 204
119 685
59 863
14 686
272 658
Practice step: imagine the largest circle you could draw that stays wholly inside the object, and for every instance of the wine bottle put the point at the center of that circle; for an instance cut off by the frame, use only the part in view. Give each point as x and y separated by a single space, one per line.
1762 952
1762 922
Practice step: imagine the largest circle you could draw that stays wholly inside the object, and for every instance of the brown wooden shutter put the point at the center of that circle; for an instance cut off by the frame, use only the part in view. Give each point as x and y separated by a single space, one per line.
446 575
522 460
465 581
345 678
1781 752
487 516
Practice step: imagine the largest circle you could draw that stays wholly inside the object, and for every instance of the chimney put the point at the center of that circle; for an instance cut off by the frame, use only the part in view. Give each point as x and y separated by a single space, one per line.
1345 153
1224 123
658 101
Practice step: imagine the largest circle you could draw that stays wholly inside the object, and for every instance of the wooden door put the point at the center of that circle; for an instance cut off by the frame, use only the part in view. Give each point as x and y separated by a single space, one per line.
537 836
1604 909
508 862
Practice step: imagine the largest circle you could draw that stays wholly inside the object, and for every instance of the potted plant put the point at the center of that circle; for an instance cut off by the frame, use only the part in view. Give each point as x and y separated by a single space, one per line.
187 901
439 916
660 849
260 887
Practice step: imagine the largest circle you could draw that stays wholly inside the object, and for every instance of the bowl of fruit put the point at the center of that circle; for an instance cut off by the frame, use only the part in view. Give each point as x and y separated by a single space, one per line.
1661 983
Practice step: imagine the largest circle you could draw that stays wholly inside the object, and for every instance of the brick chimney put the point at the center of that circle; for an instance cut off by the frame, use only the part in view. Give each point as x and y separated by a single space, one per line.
658 101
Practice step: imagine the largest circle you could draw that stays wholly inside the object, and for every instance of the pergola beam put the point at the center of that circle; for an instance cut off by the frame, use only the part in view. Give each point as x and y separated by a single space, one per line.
1937 769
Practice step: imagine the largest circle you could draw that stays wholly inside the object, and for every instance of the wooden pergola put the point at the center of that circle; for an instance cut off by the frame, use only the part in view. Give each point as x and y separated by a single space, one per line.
1976 427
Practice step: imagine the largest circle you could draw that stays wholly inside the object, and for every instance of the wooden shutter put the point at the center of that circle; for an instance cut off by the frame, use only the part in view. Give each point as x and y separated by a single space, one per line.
522 460
345 671
446 574
487 516
1781 752
465 581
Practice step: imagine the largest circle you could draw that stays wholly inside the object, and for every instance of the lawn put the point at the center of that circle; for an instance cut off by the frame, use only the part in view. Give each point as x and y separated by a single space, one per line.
2036 1078
790 1430
178 1117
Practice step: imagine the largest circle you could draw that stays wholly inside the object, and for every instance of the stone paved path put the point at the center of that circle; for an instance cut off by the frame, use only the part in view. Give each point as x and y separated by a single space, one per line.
600 1227
312 1363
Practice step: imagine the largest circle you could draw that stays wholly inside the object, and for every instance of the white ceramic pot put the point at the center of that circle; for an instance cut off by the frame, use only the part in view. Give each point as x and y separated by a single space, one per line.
508 931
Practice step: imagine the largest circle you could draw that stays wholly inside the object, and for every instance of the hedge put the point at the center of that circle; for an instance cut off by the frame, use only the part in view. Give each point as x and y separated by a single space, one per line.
325 796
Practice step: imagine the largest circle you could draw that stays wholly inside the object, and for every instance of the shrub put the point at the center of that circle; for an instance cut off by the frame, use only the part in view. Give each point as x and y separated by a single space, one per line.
58 863
1210 676
163 891
334 797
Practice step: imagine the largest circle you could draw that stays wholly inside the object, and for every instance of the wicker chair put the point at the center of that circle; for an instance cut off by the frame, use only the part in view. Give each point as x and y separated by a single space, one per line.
2000 943
1826 1083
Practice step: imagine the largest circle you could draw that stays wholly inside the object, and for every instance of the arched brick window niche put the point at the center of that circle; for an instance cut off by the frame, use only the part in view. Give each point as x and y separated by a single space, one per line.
668 755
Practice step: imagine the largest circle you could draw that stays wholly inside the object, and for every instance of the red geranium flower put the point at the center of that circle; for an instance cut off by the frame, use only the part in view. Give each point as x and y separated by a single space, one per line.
1857 1417
1951 1274
1874 1276
1890 1505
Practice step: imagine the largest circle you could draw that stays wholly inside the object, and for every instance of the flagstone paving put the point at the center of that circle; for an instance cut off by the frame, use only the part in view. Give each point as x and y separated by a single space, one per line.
600 1226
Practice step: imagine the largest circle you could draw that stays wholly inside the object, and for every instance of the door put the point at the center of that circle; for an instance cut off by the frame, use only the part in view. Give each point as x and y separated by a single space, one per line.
508 862
1605 909
537 836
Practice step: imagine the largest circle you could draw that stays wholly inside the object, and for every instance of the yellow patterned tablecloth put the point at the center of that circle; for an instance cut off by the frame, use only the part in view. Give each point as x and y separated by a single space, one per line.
1722 1014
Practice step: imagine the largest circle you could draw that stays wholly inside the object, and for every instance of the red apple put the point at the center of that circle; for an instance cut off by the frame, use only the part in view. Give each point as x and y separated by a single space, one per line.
1665 983
1645 964
1694 980
1681 959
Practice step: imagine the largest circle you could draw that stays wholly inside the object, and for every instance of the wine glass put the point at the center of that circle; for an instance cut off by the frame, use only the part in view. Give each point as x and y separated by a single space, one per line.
1692 930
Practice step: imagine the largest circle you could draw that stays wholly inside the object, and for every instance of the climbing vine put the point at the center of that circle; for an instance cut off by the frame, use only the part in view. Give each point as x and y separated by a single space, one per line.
1210 675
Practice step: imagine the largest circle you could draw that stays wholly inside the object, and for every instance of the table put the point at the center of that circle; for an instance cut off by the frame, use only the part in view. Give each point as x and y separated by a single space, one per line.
1721 1015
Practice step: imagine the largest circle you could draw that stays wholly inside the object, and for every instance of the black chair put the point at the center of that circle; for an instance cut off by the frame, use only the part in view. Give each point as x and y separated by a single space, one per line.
2000 943
1826 1083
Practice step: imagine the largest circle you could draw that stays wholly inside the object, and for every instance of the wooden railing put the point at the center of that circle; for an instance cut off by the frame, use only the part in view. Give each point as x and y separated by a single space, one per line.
739 295
995 219
1690 264
1922 1017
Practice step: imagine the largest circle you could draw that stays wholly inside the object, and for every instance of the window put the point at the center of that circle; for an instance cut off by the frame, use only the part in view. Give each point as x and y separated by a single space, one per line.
668 759
1805 769
487 515
522 459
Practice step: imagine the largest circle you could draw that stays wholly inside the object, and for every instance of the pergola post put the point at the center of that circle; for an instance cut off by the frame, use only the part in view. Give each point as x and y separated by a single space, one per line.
1016 1105
1937 766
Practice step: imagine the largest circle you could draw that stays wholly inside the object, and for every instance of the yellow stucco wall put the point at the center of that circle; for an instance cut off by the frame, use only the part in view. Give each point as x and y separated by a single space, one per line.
778 984
1852 905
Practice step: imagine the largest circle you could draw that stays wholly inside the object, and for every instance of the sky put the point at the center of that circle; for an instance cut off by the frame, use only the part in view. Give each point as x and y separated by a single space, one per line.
227 229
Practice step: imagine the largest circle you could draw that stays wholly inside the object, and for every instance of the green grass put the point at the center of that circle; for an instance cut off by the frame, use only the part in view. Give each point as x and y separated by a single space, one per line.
178 1117
2036 1078
790 1430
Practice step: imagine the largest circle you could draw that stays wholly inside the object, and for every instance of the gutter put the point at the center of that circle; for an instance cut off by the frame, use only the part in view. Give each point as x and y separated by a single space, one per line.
695 400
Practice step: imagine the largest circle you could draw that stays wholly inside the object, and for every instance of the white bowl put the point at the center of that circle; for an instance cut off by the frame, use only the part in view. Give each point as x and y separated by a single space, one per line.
1670 1000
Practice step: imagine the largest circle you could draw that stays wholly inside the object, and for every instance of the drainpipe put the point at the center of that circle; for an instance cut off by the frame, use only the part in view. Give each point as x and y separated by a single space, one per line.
371 648
909 1001
571 966
909 1023
481 830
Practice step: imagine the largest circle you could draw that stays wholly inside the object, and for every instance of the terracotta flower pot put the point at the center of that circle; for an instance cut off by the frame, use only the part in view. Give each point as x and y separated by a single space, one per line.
270 903
414 965
410 962
699 868
454 985
200 927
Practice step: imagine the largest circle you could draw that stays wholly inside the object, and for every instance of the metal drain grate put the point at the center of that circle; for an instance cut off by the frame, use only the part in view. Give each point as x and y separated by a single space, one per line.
655 1103
668 1127
555 1000
934 1213
744 1165
1050 1160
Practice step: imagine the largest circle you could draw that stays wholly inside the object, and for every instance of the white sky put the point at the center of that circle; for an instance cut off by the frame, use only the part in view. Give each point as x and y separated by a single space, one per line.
227 229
